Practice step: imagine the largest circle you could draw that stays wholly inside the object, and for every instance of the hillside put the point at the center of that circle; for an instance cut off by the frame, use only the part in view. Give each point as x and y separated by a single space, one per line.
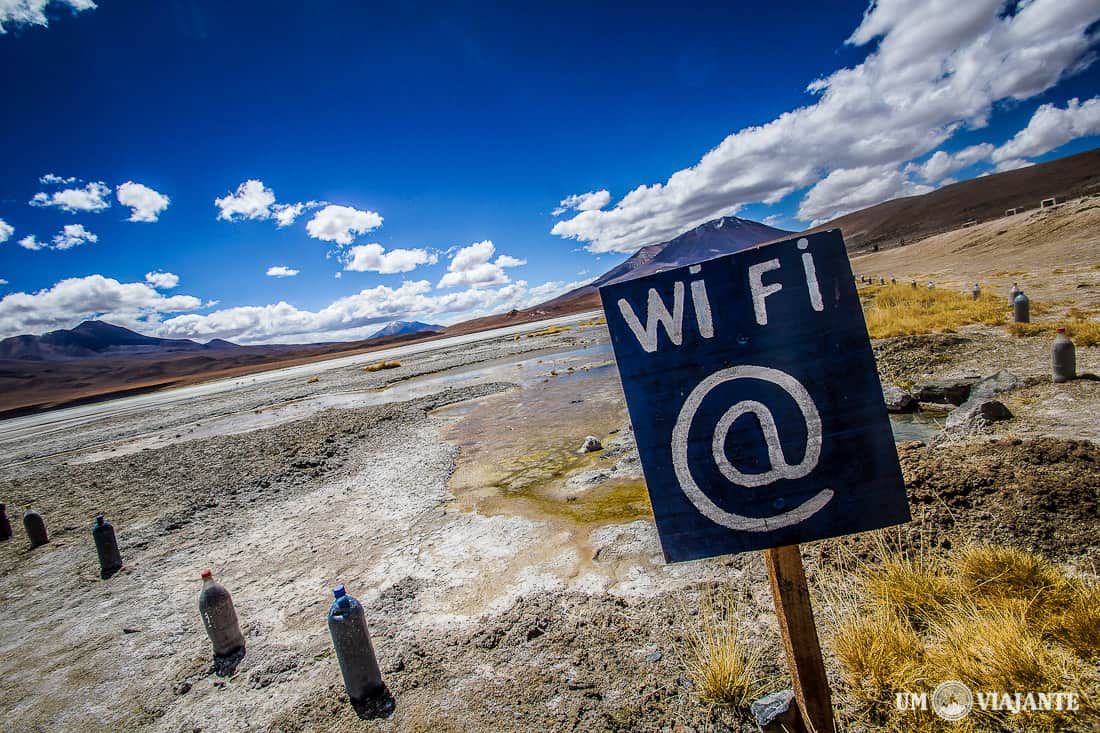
396 328
904 220
95 338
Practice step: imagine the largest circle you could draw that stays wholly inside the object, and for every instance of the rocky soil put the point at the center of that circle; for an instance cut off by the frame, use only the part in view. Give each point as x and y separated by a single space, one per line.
504 589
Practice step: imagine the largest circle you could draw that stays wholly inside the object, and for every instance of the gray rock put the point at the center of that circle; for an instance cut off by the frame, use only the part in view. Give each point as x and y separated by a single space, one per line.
977 412
776 712
590 444
944 391
897 399
1002 381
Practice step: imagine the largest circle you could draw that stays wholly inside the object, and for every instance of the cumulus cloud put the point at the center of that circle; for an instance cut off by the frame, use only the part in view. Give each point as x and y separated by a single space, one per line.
70 301
1051 128
471 267
583 202
251 200
281 271
33 12
6 231
375 258
145 203
850 189
1012 164
340 224
938 68
162 280
941 163
73 235
92 197
52 179
31 242
355 316
3 281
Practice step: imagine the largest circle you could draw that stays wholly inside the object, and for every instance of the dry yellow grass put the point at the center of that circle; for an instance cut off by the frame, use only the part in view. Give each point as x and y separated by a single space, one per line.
1083 333
380 365
549 331
994 618
902 310
724 671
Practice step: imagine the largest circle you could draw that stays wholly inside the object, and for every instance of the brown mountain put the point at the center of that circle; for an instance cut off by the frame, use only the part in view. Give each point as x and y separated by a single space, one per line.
904 220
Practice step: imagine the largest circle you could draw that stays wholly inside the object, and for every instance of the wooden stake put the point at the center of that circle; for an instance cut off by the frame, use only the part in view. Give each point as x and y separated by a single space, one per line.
796 625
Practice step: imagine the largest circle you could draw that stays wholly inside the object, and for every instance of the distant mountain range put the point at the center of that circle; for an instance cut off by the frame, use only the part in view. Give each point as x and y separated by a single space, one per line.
96 338
399 327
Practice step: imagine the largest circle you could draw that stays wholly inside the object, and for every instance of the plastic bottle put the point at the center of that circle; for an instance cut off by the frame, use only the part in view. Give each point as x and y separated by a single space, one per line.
35 527
1013 293
977 291
358 665
219 617
1021 308
1063 357
106 546
5 524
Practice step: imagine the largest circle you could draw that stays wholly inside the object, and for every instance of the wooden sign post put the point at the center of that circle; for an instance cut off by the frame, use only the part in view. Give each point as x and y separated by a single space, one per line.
759 418
799 632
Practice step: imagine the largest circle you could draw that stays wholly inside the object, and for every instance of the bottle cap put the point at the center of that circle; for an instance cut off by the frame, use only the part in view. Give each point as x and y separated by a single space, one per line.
338 592
99 519
1061 329
207 574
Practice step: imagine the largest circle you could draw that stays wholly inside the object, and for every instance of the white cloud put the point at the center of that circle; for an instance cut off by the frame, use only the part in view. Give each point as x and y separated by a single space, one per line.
73 235
340 224
33 12
162 280
6 231
355 316
849 189
471 267
145 203
374 258
92 197
31 242
3 281
939 67
941 163
584 202
251 200
133 305
52 179
1051 128
1012 164
281 271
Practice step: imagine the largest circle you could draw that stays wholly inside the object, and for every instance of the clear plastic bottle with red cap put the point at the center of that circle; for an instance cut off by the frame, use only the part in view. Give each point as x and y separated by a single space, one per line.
220 618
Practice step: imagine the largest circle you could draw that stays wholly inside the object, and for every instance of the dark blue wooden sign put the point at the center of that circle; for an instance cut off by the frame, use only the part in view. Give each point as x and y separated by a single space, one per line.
755 400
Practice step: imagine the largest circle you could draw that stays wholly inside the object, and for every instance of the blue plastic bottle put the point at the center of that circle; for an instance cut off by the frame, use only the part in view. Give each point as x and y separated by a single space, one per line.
1021 308
106 546
348 625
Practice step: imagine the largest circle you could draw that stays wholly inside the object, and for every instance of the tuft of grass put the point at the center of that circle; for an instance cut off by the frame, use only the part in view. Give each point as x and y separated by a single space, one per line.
595 322
1083 333
313 380
724 671
995 618
380 365
901 310
549 331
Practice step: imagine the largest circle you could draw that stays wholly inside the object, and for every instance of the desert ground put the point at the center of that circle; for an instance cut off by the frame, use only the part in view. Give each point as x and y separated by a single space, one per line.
510 583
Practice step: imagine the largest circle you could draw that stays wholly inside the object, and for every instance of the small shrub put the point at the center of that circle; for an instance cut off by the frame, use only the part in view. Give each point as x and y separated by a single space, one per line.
380 365
723 671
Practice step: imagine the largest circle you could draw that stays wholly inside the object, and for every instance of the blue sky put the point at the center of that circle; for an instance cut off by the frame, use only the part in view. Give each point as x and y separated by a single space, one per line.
405 161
